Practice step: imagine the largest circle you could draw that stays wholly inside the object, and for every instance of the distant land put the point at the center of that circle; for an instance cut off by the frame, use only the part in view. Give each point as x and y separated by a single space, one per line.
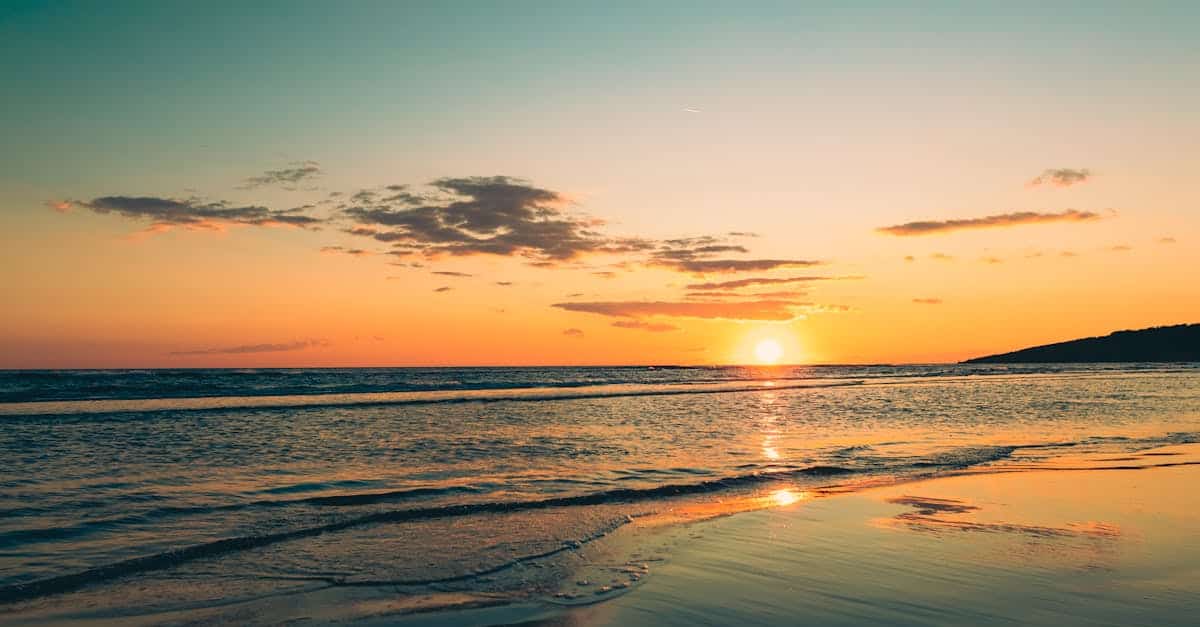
1180 342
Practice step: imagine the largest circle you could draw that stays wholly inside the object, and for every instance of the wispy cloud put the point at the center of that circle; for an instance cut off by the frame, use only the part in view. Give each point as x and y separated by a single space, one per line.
744 310
740 283
193 213
702 255
1060 177
927 301
1120 248
573 333
453 274
257 348
653 327
342 250
928 227
443 289
288 178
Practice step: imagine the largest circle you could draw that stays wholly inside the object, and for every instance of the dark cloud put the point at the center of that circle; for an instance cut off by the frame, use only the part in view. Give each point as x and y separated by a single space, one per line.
288 177
744 310
653 327
453 274
927 301
482 216
1060 177
194 213
742 234
257 348
993 221
575 295
444 288
504 283
573 333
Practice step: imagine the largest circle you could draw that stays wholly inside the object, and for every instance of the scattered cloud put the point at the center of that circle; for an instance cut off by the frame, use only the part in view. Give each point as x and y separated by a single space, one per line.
941 257
1120 248
1166 240
573 333
653 327
494 215
928 227
740 283
258 348
442 289
193 213
575 295
605 274
453 274
991 260
288 178
701 255
927 301
504 283
744 310
342 250
1068 253
1060 177
909 258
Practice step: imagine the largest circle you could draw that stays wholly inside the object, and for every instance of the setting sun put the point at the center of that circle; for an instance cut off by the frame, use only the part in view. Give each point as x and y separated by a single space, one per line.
768 351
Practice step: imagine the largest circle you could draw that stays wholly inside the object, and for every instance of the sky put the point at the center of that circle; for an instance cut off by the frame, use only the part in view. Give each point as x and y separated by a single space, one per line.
378 184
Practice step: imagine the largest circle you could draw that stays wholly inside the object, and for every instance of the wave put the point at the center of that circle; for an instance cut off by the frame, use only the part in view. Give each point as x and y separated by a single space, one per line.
64 583
59 408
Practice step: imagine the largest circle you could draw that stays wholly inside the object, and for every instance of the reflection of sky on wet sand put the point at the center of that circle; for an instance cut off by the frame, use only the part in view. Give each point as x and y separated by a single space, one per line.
1106 547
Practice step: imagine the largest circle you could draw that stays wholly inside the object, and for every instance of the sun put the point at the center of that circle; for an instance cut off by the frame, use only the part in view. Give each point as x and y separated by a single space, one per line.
768 351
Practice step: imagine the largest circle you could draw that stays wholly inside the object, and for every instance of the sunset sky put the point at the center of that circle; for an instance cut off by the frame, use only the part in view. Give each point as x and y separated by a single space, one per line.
591 183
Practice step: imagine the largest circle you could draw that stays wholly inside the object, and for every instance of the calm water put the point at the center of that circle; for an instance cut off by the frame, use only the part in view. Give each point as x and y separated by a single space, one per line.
262 478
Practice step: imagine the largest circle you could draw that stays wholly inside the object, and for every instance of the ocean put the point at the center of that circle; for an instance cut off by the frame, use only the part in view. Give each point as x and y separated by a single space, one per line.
220 484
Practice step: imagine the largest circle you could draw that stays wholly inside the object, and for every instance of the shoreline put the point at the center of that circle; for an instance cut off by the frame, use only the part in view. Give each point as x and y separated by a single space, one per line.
672 543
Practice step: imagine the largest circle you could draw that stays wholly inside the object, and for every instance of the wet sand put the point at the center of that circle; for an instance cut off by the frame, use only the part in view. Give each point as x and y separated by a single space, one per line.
1087 540
1065 547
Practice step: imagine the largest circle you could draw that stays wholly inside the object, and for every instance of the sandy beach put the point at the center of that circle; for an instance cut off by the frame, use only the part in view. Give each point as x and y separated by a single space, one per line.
1086 541
1063 547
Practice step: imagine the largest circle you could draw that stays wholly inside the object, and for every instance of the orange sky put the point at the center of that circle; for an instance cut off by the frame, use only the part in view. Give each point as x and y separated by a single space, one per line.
932 201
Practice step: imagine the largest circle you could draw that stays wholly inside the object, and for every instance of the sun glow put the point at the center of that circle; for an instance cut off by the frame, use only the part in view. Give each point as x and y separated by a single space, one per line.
768 351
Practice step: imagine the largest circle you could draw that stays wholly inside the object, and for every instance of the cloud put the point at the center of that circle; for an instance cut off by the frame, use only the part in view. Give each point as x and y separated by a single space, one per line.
927 301
355 252
1067 253
1120 248
993 221
258 348
193 213
1060 177
782 294
744 310
449 273
504 283
494 215
740 283
992 260
573 333
286 177
443 289
605 274
653 327
699 255
1166 240
941 257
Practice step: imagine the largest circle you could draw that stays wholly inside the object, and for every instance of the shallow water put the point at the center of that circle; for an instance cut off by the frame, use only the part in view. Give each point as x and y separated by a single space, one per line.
259 480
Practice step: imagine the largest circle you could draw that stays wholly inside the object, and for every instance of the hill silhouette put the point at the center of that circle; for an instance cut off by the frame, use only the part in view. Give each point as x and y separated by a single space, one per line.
1180 342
